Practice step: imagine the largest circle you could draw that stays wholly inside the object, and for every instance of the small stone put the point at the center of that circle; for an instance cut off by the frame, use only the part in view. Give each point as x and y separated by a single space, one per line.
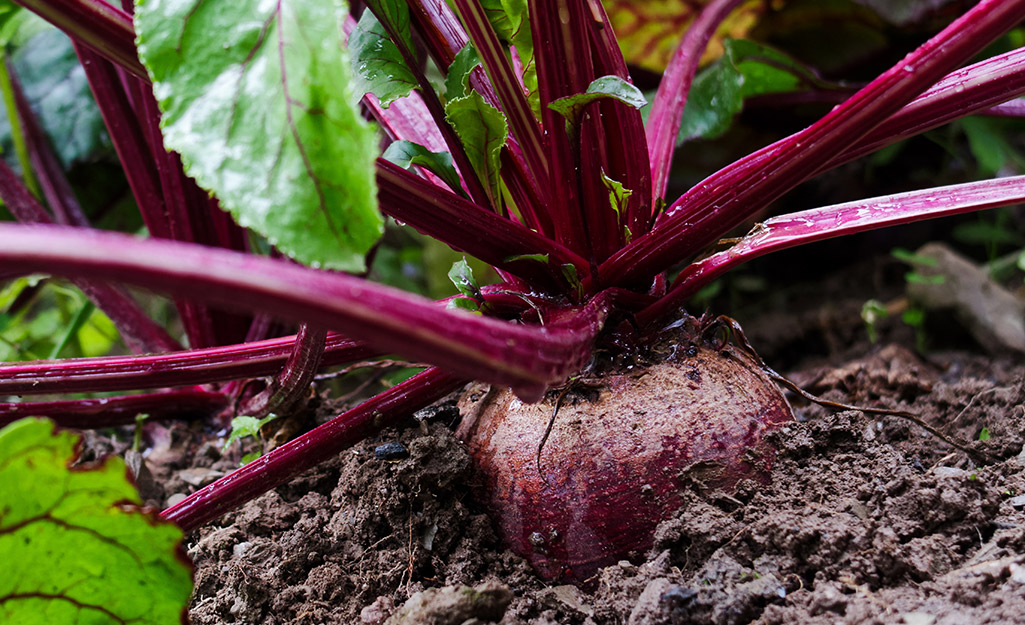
176 499
454 605
949 472
199 476
918 618
1017 502
569 597
391 452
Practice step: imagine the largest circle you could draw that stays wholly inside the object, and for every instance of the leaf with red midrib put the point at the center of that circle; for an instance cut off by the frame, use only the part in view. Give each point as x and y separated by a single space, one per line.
76 547
257 97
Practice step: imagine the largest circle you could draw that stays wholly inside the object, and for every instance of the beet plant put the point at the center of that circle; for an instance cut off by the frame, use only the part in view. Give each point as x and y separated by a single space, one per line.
530 154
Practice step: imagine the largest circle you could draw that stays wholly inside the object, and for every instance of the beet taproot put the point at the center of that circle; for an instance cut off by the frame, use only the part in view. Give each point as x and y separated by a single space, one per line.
620 449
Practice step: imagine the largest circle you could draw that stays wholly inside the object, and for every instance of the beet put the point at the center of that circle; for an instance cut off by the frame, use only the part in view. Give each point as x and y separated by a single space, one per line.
621 449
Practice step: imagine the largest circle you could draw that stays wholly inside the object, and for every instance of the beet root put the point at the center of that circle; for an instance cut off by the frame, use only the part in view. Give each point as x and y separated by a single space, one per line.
620 450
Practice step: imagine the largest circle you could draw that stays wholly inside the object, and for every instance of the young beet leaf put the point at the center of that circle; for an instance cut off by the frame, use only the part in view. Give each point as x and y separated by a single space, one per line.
534 158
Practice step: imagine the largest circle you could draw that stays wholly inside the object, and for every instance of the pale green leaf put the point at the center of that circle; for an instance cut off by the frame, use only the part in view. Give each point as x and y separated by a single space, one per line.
242 427
378 63
257 97
461 275
483 131
75 545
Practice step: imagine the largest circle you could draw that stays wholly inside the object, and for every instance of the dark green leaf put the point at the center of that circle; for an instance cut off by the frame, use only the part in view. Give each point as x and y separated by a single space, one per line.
55 86
483 131
396 14
75 545
378 63
257 98
458 77
570 273
989 147
746 69
406 154
604 88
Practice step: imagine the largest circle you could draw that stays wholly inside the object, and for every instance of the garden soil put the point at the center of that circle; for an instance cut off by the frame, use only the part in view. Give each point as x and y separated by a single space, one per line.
868 519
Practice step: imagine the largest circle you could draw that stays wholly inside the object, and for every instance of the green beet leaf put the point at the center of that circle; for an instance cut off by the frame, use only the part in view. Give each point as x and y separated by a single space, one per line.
457 80
258 99
406 154
378 63
54 84
604 88
76 548
483 130
745 70
509 19
461 275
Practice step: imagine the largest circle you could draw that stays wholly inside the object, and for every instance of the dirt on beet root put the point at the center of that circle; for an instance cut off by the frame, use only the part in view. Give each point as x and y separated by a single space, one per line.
868 519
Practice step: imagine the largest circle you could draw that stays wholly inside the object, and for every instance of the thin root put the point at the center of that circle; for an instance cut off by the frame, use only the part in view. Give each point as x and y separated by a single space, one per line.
737 333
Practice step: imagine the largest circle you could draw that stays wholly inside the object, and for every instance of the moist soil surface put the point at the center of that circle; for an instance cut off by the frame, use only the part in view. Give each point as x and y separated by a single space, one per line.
868 518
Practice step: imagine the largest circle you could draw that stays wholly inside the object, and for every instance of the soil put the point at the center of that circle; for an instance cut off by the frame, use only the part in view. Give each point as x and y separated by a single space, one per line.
868 519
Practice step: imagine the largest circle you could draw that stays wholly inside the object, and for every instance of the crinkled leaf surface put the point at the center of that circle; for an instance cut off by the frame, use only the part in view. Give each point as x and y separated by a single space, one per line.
378 63
483 130
74 547
257 97
648 31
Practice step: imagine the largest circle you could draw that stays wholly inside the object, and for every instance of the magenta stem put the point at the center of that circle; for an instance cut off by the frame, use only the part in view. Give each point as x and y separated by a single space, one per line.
671 97
114 411
786 231
291 387
728 197
524 357
179 368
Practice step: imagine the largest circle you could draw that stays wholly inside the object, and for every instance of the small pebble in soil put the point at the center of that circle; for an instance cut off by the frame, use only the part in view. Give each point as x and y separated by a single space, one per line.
391 452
